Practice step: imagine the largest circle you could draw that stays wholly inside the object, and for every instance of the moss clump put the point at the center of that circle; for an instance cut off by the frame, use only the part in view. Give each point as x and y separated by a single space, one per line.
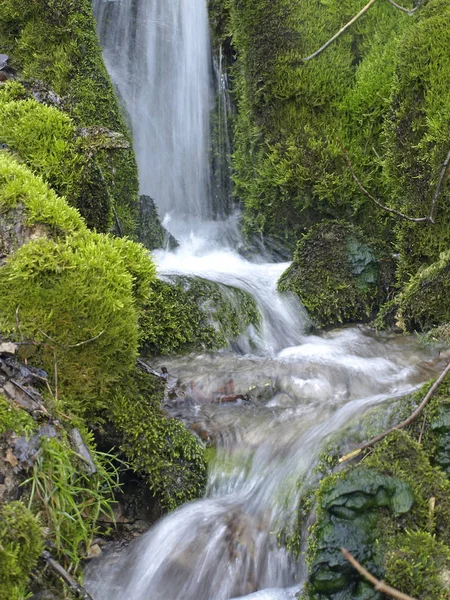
423 303
56 41
368 509
420 564
20 189
193 313
161 449
14 420
70 291
336 273
21 544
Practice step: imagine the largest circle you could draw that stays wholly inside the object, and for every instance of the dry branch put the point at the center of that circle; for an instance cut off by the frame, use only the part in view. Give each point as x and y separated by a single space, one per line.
404 423
380 586
439 185
408 11
340 32
377 202
61 572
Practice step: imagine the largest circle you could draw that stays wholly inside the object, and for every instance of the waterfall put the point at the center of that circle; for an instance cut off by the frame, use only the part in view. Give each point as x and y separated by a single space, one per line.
158 55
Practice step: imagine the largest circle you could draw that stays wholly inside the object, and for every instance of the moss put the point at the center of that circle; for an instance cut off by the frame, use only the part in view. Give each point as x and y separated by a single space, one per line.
56 41
337 274
423 302
21 544
193 313
420 564
161 449
14 420
70 291
20 188
150 231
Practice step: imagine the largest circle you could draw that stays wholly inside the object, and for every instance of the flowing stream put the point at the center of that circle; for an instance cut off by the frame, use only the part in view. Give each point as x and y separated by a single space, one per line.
303 390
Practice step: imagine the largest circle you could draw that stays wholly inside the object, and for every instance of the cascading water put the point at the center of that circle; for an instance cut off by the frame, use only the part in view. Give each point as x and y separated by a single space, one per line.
303 388
158 55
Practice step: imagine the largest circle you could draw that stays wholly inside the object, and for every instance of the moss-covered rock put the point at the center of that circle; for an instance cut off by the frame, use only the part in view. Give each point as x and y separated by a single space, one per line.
367 509
337 273
192 313
21 543
424 300
170 458
76 299
56 41
29 208
150 231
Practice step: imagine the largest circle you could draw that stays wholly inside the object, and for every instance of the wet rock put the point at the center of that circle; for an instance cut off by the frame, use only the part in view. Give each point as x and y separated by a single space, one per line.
151 232
26 451
349 513
3 61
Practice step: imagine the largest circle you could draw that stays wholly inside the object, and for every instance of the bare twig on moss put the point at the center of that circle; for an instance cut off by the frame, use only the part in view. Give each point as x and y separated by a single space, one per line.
439 185
404 423
83 343
380 586
340 32
61 572
369 195
408 11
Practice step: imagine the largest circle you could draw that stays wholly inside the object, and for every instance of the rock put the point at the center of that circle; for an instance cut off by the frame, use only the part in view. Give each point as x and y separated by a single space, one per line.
14 232
151 232
26 450
94 552
8 348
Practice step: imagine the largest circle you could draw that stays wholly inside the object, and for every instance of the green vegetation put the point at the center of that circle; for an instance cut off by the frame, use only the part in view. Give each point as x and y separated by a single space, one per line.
13 420
55 41
161 449
21 543
193 313
337 274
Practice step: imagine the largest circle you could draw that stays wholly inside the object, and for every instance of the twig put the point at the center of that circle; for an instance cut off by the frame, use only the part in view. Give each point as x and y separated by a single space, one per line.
422 430
380 586
439 185
377 202
147 369
340 32
405 423
61 572
55 363
116 218
84 342
409 11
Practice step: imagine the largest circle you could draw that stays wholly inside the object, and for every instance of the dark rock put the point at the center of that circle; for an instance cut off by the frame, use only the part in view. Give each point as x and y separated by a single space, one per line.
3 61
26 450
150 231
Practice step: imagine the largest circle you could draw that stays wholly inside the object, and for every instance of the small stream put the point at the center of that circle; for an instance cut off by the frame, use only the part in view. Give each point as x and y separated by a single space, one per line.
303 390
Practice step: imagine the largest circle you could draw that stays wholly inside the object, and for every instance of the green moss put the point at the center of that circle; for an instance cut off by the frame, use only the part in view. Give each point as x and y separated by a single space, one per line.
14 420
337 274
420 564
20 188
193 313
21 544
423 303
70 291
56 41
161 449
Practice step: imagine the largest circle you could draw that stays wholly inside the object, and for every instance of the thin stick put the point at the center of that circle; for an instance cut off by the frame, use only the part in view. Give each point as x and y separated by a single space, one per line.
377 202
61 572
409 11
439 185
405 423
380 586
341 31
55 363
72 345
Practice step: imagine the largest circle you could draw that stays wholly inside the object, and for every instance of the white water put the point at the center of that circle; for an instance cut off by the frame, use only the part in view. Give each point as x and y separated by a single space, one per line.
158 55
303 388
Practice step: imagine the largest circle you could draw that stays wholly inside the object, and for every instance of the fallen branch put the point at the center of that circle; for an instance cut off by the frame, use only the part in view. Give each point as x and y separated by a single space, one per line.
341 31
405 423
380 586
439 185
61 572
83 343
147 369
377 202
408 11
